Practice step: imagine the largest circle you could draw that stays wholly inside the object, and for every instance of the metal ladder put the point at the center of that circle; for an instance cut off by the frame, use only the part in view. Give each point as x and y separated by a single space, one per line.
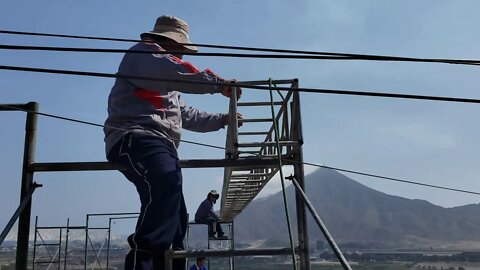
242 184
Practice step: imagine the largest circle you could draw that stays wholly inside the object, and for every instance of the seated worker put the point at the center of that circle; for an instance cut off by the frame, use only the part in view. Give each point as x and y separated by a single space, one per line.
205 215
200 265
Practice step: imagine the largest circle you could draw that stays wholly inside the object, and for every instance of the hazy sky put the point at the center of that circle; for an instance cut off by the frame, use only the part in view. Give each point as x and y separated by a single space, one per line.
425 141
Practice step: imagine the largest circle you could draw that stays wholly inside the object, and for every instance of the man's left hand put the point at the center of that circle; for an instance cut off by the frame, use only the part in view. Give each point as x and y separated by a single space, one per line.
227 89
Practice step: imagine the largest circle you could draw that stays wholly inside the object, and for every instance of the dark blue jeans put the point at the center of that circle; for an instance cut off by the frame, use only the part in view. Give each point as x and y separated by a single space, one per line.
152 166
214 226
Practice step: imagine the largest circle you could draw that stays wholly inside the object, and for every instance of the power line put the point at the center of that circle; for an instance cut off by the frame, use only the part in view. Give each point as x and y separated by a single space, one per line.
240 55
338 56
100 125
244 85
223 148
386 177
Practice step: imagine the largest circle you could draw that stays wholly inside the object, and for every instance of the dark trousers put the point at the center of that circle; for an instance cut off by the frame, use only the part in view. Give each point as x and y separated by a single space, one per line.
213 225
152 166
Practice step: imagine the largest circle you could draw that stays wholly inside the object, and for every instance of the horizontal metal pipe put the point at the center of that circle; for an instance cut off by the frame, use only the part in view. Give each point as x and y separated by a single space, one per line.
225 253
192 163
195 223
124 218
241 184
62 227
247 179
237 193
112 214
248 175
258 103
257 120
253 152
253 133
263 144
11 107
47 244
240 193
268 82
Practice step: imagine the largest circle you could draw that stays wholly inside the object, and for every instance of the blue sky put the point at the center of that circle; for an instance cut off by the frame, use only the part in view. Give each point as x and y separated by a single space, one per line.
424 141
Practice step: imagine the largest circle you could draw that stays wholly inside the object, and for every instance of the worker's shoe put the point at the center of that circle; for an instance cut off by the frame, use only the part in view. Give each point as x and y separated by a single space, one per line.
221 236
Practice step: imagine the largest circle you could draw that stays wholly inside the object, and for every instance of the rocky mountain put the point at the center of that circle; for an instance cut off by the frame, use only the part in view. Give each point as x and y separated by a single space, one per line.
363 217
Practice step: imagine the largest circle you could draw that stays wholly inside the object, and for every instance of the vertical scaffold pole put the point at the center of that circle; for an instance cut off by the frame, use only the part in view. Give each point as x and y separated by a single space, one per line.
86 242
35 243
297 135
66 245
232 243
27 181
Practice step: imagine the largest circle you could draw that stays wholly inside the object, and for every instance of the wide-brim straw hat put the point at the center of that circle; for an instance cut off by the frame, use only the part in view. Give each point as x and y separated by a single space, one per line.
214 193
172 28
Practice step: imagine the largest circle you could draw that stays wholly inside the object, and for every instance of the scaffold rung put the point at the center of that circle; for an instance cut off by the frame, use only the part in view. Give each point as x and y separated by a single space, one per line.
257 120
265 144
258 103
249 175
253 133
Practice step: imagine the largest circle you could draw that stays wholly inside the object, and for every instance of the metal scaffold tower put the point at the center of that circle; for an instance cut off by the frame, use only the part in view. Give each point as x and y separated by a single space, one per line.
257 157
253 156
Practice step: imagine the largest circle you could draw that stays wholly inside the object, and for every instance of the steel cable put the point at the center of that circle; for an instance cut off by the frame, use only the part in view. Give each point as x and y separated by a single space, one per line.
339 56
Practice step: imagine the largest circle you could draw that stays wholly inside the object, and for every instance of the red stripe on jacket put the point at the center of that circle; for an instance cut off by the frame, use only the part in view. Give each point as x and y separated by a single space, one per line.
152 97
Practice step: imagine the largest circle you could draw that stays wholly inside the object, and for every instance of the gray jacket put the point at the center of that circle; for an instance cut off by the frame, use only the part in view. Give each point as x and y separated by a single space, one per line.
154 107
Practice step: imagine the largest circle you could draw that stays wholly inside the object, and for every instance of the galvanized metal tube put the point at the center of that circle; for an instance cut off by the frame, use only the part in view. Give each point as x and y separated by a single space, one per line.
192 163
253 133
282 180
257 120
321 225
231 151
12 107
19 210
297 135
264 144
27 181
66 245
59 260
224 253
259 103
34 243
232 236
233 125
267 82
86 241
108 241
